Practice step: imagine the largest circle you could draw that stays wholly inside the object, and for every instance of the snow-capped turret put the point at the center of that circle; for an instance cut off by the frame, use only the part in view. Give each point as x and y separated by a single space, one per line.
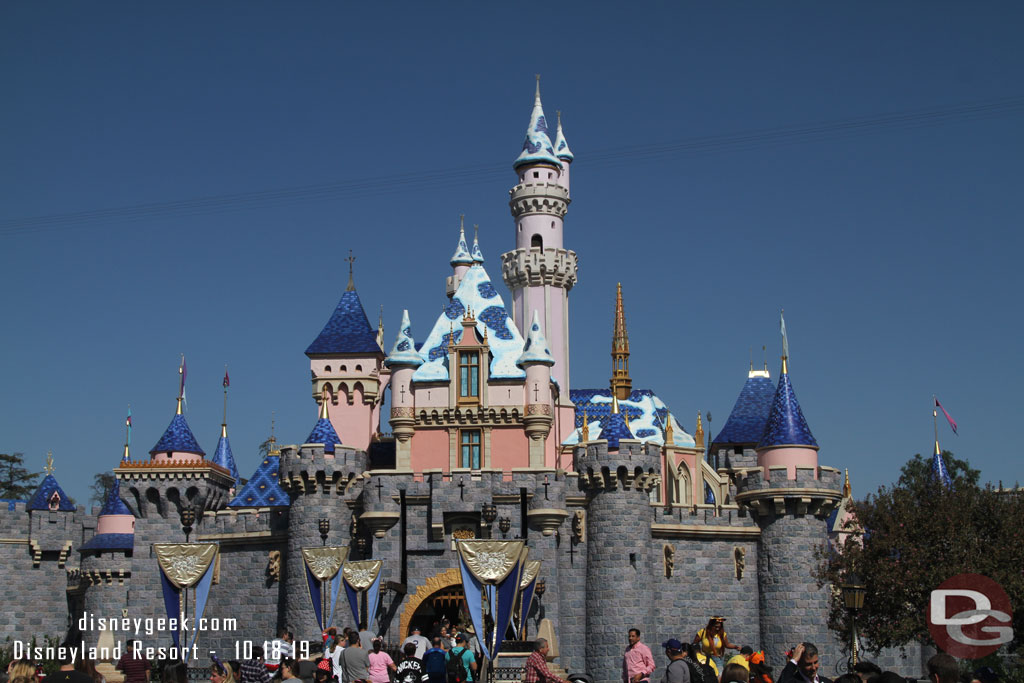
537 147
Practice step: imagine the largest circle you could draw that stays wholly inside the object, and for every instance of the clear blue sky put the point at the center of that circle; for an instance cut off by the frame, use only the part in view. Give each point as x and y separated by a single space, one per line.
893 243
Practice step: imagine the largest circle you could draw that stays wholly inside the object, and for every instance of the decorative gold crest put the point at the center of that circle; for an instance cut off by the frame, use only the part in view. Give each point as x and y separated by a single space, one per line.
361 575
325 561
185 563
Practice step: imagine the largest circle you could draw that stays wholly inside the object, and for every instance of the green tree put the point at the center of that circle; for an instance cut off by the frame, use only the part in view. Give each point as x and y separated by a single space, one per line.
910 537
16 482
102 482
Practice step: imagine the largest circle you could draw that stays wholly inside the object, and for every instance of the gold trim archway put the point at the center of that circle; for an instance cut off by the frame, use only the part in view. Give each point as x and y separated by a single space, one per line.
449 577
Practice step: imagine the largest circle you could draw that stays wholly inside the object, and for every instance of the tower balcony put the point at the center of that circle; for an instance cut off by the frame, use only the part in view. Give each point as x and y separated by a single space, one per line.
543 198
537 267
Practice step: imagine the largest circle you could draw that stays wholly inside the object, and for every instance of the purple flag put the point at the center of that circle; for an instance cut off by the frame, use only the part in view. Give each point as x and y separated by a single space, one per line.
949 418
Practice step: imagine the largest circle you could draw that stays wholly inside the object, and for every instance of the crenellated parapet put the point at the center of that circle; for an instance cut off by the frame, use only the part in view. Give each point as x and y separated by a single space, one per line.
770 491
164 487
307 469
551 266
636 466
539 197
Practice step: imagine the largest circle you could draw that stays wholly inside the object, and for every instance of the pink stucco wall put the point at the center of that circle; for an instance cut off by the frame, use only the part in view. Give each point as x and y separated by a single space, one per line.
509 448
430 450
790 456
539 224
175 456
115 524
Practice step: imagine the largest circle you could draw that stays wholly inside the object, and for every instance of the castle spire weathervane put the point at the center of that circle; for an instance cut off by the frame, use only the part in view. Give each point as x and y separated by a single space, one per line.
351 282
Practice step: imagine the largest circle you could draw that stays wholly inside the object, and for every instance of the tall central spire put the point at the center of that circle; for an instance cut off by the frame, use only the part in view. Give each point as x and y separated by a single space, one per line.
622 384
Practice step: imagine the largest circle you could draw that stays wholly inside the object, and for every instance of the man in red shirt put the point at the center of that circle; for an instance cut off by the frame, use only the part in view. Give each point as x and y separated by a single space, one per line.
537 665
637 661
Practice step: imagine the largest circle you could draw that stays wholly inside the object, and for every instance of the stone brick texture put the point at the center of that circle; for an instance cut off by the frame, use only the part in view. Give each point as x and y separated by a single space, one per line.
597 588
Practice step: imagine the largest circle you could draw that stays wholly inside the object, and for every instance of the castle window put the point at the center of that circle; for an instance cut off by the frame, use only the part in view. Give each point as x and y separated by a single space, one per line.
344 369
327 368
469 448
536 174
536 242
359 368
469 374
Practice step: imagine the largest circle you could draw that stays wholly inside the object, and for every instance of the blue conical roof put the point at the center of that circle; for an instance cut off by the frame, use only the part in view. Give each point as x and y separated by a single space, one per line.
537 147
178 437
750 414
323 432
41 498
535 350
786 425
347 331
264 488
114 505
461 257
478 256
562 150
224 457
404 351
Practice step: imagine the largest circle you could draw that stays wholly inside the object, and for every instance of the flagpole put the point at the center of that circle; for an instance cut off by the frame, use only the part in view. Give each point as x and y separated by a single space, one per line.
935 421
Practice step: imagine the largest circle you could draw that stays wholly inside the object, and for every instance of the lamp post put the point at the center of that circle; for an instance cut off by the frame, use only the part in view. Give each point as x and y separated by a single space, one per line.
325 528
504 524
188 518
853 599
540 588
489 512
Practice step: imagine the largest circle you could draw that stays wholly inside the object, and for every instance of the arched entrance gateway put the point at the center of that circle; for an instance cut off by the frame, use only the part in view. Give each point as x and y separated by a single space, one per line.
440 596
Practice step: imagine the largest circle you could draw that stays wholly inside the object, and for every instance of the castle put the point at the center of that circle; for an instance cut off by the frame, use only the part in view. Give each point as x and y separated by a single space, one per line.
635 524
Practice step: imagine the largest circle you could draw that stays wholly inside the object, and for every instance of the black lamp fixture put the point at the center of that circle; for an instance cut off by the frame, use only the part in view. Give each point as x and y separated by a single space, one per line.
362 544
853 599
188 518
504 524
325 528
540 588
490 513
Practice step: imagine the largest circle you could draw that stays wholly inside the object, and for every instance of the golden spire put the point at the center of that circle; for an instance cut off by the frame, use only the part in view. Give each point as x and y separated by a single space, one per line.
669 435
615 405
698 434
621 383
49 463
847 491
351 282
323 406
177 411
585 429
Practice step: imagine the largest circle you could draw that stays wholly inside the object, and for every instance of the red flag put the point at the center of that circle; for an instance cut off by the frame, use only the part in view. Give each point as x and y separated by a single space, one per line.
949 418
227 382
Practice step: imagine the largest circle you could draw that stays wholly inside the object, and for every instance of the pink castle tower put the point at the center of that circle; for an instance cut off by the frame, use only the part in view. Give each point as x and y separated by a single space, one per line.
540 271
346 363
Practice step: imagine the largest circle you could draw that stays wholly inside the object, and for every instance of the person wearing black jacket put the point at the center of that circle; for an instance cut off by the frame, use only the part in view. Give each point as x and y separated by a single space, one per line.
803 666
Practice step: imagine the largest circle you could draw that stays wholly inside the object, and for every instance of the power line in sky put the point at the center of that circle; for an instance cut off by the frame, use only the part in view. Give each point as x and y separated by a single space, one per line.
473 175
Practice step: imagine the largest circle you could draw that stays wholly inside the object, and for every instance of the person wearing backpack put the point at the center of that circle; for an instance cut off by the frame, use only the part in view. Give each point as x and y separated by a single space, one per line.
702 667
461 662
678 671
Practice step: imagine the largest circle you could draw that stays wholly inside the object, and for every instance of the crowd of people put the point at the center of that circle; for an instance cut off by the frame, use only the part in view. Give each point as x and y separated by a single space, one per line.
452 655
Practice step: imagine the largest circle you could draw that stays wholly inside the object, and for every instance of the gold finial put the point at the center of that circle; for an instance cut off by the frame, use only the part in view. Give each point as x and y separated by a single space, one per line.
326 398
451 336
615 405
49 463
698 434
126 455
785 365
669 435
351 281
177 411
847 492
224 431
585 428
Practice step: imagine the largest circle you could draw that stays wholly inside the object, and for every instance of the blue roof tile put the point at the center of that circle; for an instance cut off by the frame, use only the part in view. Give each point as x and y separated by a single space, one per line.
225 458
614 428
178 437
109 542
323 432
114 505
786 425
41 498
746 422
347 331
646 412
264 488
